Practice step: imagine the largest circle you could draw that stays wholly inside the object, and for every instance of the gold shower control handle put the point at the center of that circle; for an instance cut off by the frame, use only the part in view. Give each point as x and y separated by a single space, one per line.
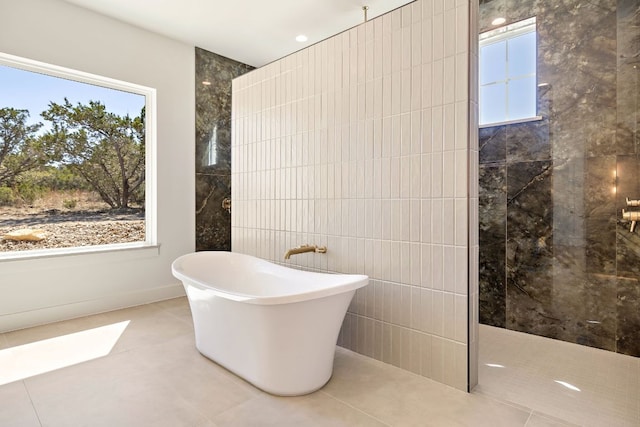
631 216
226 204
633 202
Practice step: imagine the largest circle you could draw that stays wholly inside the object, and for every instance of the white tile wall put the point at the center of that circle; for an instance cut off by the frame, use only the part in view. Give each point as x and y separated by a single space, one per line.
361 143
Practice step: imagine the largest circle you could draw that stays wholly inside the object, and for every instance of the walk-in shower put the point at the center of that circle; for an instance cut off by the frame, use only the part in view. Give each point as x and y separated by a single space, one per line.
558 257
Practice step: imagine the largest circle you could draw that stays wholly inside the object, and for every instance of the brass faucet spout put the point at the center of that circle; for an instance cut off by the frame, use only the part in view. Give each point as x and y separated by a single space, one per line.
305 248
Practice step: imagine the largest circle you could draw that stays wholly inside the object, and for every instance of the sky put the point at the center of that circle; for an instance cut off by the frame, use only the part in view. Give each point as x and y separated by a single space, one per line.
26 90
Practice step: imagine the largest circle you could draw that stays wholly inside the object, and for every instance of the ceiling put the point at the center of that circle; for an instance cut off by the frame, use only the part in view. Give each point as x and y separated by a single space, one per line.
255 32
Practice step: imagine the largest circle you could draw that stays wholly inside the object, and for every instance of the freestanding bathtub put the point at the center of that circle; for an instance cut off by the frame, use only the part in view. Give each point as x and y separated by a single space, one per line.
274 326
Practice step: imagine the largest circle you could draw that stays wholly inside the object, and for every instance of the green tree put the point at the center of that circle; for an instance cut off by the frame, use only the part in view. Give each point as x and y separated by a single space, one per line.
105 149
21 149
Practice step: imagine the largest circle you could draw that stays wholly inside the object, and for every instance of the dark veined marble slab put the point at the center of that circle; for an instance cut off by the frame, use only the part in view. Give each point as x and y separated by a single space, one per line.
628 316
213 76
213 223
572 267
492 235
529 247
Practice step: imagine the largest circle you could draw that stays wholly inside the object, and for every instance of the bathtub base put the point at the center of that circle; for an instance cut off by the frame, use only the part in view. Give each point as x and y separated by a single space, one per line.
284 349
268 388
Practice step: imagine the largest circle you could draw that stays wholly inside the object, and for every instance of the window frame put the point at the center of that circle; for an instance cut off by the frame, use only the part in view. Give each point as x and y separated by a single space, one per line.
500 34
151 226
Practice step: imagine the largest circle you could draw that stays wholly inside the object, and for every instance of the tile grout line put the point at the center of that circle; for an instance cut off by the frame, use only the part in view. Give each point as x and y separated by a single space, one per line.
355 408
219 414
35 411
180 318
197 410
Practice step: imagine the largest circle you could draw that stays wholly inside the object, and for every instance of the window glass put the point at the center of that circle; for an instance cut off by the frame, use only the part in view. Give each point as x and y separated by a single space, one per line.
522 55
522 99
493 106
74 150
493 63
507 73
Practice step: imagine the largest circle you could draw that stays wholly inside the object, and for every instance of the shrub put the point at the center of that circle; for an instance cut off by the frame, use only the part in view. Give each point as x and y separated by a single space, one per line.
6 196
69 203
29 192
55 179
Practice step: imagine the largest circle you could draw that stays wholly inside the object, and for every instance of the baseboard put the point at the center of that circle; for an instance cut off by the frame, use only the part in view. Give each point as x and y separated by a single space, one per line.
27 319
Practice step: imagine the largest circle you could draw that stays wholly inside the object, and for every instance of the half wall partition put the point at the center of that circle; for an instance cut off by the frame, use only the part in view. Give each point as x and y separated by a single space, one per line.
366 143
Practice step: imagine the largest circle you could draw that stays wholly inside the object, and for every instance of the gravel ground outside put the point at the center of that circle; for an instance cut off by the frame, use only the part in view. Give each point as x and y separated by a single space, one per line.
64 230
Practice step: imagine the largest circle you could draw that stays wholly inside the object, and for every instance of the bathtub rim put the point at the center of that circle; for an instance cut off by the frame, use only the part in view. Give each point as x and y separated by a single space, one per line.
351 282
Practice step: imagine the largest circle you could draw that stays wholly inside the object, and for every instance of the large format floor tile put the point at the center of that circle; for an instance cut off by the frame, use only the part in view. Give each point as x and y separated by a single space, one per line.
398 397
578 384
15 406
152 375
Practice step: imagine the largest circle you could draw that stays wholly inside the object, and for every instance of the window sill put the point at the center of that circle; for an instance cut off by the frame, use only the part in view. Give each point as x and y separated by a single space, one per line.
511 122
130 250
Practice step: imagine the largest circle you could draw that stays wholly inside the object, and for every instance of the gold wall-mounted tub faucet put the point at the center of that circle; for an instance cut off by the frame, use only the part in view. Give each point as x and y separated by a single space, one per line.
305 248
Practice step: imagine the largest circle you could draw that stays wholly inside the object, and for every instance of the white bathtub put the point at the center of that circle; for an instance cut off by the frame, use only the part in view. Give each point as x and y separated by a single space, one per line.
274 326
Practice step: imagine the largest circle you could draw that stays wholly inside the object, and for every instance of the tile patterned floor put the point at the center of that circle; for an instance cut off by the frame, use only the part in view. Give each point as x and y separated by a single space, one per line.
154 376
581 385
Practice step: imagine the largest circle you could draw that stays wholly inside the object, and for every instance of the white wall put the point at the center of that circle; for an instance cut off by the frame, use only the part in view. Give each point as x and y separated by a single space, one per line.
362 143
41 290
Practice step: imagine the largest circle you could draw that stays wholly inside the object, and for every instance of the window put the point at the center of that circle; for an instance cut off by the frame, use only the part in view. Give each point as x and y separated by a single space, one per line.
508 73
77 155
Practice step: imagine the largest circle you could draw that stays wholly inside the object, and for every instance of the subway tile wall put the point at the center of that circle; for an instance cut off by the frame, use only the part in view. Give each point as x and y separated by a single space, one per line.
361 143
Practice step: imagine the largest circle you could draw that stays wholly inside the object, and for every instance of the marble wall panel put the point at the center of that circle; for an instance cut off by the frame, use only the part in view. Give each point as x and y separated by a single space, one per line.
213 229
528 141
529 247
628 316
493 144
213 147
585 305
493 221
572 263
628 81
569 216
628 250
627 242
578 60
600 187
600 214
214 74
600 247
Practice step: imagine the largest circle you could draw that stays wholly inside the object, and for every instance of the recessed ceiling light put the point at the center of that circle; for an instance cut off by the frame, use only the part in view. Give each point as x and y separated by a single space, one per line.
301 38
498 21
206 83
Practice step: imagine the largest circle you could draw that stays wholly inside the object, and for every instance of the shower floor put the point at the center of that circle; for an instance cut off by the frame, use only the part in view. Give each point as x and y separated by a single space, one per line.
573 383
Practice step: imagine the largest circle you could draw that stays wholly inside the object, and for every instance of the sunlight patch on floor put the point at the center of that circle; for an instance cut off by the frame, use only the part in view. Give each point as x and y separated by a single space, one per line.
28 360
